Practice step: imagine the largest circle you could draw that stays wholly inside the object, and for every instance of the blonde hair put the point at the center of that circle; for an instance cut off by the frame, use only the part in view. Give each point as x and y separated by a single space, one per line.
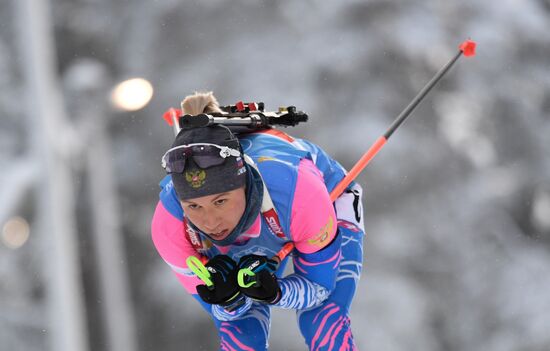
200 102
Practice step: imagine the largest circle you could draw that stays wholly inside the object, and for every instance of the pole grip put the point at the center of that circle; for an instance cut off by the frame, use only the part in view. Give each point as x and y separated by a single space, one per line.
197 266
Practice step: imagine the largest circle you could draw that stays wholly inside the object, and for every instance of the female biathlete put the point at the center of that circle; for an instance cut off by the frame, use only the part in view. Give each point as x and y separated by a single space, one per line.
235 201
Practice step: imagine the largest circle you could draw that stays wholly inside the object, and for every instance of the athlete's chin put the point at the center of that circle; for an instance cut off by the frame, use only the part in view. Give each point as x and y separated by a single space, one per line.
220 235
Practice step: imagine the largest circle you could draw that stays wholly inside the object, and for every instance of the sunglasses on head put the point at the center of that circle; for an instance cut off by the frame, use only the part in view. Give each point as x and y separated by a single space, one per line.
204 155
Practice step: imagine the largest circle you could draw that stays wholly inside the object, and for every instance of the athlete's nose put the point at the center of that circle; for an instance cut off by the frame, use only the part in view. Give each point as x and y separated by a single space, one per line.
211 223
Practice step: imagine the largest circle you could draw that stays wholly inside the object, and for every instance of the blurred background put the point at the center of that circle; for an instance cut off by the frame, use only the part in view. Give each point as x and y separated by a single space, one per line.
457 205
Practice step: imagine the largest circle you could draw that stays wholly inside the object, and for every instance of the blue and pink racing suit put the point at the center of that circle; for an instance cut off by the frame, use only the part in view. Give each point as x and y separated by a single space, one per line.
328 238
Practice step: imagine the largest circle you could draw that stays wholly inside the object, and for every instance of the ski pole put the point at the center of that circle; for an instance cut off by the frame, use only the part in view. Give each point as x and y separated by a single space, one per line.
467 48
171 117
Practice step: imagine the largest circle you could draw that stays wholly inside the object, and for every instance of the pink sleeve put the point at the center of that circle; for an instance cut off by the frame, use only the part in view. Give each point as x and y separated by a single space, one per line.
173 247
313 221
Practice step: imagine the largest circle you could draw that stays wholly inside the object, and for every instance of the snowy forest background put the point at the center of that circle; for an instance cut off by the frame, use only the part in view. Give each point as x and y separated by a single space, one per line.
457 205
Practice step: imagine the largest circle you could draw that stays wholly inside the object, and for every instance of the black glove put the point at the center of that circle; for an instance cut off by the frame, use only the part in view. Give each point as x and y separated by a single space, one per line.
223 273
259 281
